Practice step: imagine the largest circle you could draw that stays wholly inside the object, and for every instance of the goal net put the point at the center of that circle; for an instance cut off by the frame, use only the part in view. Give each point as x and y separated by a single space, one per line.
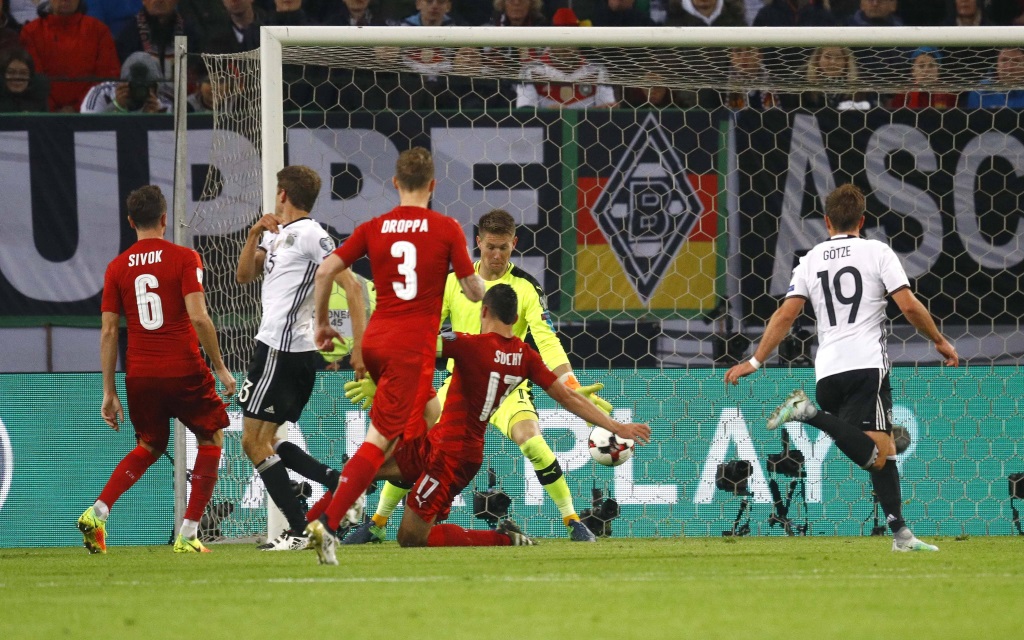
664 182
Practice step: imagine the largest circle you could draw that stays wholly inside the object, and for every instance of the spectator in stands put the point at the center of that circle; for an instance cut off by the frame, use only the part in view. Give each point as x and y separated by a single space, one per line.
519 13
152 31
1009 73
356 13
74 50
136 92
9 29
711 65
746 74
966 13
887 64
787 64
475 12
242 32
1008 12
431 13
21 89
116 14
563 78
620 13
795 13
204 18
201 99
834 67
925 72
654 94
706 13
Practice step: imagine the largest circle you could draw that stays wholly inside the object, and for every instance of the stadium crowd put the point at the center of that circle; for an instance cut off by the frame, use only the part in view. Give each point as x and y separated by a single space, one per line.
56 54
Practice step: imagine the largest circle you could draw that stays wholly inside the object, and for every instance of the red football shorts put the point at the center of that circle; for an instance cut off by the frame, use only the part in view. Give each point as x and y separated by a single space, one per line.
437 478
153 402
403 388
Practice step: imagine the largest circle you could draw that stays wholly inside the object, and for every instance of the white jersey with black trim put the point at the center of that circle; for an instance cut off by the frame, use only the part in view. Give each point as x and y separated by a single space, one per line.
847 280
293 255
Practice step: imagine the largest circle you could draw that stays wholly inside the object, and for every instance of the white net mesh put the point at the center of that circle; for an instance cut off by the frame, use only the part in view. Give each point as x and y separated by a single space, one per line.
664 238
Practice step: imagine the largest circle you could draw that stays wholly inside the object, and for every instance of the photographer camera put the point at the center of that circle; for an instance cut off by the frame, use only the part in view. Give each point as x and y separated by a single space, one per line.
136 92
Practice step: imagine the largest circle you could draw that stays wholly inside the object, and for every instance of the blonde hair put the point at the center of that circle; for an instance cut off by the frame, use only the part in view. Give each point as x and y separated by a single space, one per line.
814 65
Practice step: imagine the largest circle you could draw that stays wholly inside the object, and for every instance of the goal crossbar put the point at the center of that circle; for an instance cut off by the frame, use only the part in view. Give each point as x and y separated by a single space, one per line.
643 36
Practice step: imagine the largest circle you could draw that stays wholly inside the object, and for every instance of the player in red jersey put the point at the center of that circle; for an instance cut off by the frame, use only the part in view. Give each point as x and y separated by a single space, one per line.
410 250
157 286
442 462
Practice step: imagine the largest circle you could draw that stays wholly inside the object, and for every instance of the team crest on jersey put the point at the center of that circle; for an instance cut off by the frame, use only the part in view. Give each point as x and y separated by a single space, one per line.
648 208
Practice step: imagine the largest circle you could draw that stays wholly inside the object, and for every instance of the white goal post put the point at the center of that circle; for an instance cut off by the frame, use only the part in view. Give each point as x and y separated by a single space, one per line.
944 188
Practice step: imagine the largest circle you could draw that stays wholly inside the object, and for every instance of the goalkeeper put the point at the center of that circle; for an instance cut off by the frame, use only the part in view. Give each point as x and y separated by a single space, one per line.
517 417
349 318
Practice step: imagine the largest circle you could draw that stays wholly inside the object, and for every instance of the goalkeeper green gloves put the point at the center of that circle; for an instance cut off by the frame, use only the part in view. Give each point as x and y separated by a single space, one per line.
361 391
590 393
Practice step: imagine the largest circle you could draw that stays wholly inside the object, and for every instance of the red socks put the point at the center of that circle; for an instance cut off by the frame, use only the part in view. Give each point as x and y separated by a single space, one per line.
319 506
356 475
126 473
452 535
204 478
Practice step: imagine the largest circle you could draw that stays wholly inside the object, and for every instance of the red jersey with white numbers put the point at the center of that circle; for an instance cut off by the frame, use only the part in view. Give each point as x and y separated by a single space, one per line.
410 250
147 284
488 367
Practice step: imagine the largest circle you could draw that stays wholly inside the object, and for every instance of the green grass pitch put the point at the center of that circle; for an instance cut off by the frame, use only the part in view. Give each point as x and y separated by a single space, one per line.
622 588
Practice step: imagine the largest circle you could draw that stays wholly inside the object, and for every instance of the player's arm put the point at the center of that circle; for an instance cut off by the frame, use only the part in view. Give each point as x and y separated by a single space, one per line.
111 409
473 286
583 408
919 316
355 296
778 328
325 275
250 261
195 305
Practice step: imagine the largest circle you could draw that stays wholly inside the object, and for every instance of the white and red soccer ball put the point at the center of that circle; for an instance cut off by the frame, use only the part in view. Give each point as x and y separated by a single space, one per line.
609 449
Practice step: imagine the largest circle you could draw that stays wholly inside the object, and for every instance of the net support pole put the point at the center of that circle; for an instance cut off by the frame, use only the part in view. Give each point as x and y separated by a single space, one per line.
271 115
180 212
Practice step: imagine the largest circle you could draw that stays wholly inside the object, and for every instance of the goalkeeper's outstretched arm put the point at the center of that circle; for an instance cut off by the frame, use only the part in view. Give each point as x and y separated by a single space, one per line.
325 275
579 405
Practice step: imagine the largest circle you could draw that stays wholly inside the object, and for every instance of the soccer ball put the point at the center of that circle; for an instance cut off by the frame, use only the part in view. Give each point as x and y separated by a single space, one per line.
901 436
608 448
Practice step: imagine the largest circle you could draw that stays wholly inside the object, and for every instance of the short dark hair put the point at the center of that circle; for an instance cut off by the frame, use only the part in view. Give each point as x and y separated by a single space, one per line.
502 300
497 222
844 208
146 205
414 169
302 185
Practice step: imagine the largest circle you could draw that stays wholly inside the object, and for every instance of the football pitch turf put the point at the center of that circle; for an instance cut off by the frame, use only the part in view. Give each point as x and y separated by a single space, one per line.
789 588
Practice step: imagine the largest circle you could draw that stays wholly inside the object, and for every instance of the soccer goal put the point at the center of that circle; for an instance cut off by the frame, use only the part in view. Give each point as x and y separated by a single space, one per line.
664 181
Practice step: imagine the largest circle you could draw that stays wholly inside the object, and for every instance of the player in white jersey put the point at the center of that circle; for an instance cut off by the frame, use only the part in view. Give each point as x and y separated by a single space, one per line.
286 247
847 280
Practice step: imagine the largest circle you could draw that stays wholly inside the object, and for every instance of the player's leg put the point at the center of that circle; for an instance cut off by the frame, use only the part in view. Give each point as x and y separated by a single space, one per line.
203 412
303 368
517 420
267 398
832 393
152 431
430 500
392 492
864 398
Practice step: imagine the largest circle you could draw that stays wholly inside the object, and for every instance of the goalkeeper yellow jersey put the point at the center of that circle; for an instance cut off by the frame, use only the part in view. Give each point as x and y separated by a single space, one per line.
341 319
533 313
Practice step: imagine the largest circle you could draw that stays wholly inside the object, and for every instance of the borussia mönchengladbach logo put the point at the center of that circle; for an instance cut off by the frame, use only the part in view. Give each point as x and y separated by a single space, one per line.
648 208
